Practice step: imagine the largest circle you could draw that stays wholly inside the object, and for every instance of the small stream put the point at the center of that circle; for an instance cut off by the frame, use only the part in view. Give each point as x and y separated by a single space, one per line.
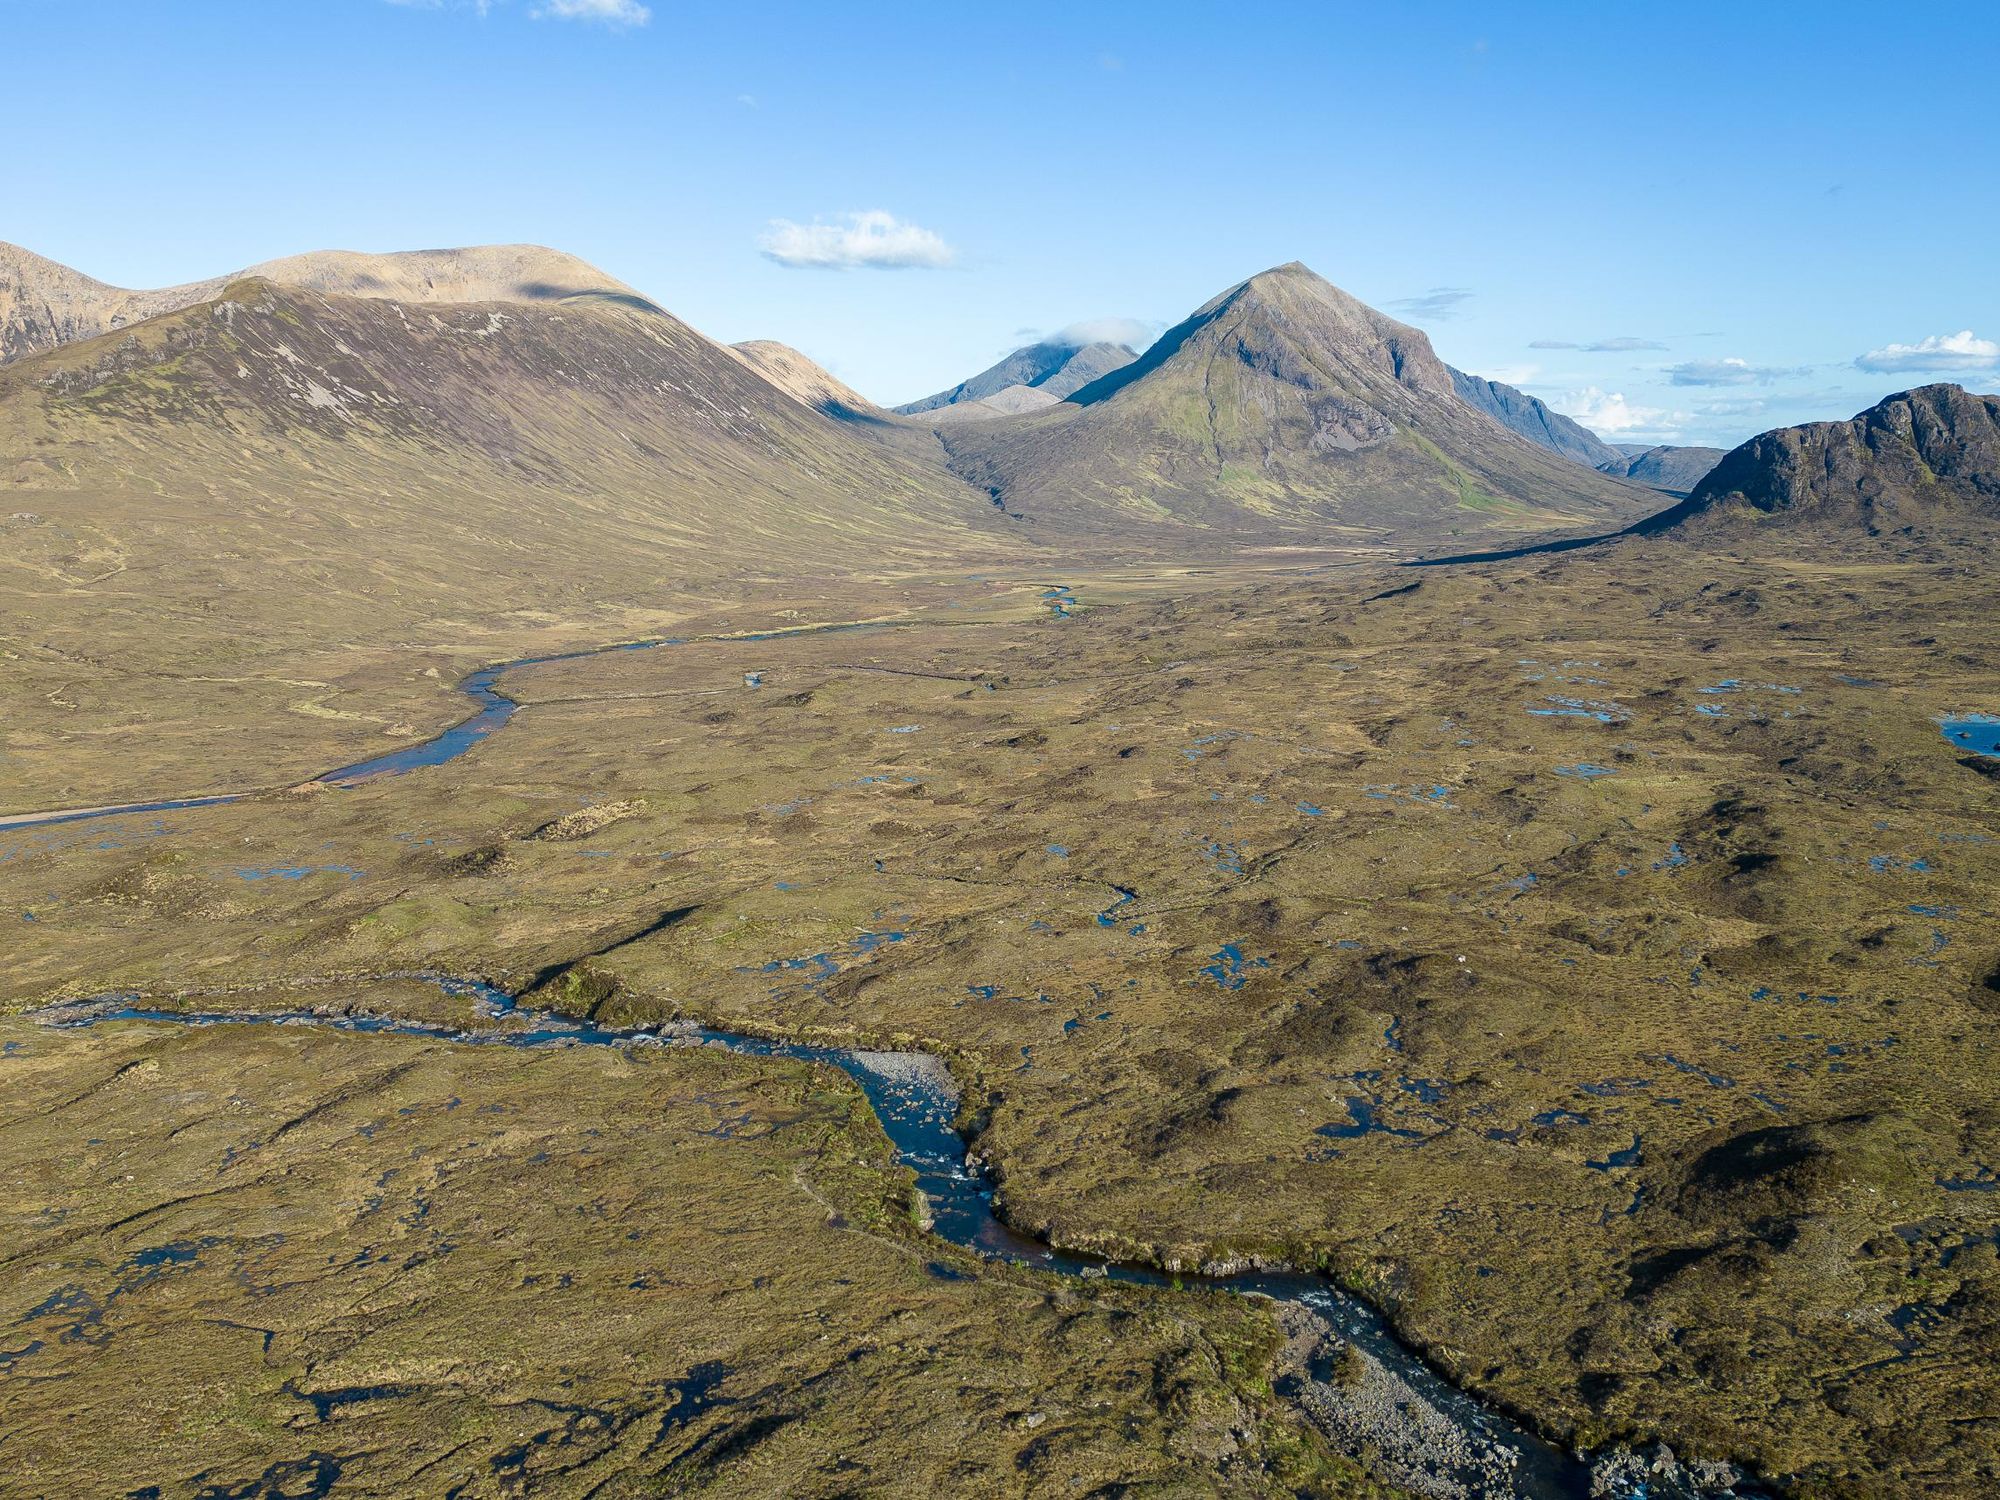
492 710
1439 1441
1426 1434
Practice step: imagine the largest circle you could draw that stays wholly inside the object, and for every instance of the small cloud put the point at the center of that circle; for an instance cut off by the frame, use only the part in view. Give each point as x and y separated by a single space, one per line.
847 242
1941 351
1514 375
1830 397
1608 413
610 12
1621 345
748 101
1111 63
1749 406
1729 372
1438 302
1130 332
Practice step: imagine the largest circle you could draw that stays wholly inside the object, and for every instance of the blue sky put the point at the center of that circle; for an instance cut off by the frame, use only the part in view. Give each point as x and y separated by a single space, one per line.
1682 222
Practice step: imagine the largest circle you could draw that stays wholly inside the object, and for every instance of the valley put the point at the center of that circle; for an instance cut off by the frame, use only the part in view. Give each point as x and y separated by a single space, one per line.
1345 930
1030 951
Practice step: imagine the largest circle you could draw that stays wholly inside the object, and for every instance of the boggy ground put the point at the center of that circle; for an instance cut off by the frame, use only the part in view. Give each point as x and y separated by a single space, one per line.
1591 957
287 1262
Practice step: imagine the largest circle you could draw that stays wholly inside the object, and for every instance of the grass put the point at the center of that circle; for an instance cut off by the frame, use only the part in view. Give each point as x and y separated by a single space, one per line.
1186 1125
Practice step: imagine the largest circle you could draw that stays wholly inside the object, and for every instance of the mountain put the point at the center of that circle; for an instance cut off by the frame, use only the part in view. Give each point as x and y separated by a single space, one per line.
1054 367
1521 413
1011 401
1675 470
44 304
1283 410
279 486
1916 457
798 377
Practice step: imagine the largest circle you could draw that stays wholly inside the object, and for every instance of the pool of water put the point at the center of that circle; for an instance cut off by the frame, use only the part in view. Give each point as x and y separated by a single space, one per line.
1977 733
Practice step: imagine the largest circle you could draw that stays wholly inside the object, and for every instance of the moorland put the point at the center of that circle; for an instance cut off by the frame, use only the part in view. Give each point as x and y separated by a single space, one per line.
1585 957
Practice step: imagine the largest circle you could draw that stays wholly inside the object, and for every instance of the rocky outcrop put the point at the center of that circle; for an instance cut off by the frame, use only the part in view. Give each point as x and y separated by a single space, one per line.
1918 457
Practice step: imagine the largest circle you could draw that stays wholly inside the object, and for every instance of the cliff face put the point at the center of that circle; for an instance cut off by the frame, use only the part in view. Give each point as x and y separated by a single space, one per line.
1521 413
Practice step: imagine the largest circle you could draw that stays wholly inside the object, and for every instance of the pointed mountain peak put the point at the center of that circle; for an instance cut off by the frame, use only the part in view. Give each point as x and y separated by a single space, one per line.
1300 326
1290 271
1285 405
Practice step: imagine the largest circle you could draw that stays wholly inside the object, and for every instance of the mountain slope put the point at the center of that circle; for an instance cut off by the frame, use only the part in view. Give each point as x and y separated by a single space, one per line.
1521 413
1918 457
44 304
802 379
227 512
1012 401
465 417
1058 369
1677 470
1284 409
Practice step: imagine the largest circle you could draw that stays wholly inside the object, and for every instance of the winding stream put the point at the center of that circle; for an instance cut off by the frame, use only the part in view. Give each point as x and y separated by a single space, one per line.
1428 1435
492 709
1424 1433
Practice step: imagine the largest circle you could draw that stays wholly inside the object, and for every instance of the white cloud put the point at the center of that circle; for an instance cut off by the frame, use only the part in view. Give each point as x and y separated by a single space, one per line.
874 239
1608 413
1729 372
1130 332
1941 351
610 12
1438 302
1624 344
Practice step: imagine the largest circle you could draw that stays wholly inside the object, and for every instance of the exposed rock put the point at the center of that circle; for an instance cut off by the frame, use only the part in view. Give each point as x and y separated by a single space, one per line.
1917 457
585 821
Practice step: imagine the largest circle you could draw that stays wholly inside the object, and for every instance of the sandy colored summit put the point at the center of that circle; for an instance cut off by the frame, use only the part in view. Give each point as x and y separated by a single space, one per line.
44 304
